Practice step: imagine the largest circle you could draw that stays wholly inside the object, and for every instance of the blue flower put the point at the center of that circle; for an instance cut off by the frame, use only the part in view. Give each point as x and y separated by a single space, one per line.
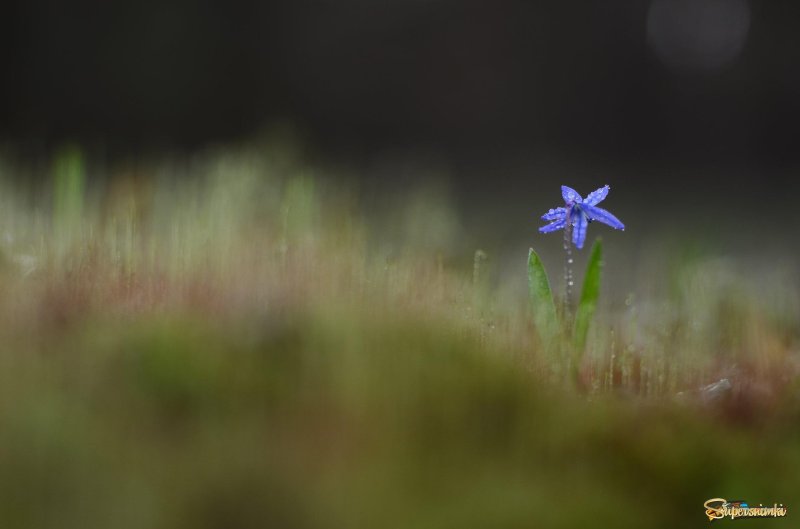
579 213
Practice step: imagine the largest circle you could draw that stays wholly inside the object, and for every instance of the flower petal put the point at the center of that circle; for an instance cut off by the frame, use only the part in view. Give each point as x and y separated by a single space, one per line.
554 214
601 215
579 224
553 226
570 195
595 197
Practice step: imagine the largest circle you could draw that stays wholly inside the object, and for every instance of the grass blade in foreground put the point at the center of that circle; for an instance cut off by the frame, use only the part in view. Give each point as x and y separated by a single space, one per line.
541 298
69 186
588 303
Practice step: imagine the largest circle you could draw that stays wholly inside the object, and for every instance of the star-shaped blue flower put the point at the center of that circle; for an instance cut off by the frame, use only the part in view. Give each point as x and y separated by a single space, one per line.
579 213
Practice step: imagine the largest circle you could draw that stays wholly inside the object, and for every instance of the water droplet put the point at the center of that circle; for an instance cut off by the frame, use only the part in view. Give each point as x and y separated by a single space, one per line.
569 261
570 283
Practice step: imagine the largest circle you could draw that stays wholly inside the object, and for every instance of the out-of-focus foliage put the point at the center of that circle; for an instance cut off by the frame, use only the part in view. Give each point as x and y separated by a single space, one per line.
237 350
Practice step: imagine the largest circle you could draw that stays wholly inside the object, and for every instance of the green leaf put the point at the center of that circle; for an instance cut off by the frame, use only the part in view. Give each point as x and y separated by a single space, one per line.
589 296
541 298
69 183
69 186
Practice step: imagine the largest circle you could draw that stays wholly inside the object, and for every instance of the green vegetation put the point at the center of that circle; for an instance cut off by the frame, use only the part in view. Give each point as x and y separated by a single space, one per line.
564 348
590 294
242 349
543 304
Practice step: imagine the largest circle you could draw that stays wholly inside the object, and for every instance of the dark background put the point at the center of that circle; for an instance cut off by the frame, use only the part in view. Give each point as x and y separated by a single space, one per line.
449 76
688 108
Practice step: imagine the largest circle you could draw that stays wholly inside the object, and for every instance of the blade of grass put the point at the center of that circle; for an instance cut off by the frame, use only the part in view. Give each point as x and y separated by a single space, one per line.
69 182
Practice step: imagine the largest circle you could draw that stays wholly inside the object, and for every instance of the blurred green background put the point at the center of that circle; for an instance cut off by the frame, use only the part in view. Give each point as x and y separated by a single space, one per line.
258 346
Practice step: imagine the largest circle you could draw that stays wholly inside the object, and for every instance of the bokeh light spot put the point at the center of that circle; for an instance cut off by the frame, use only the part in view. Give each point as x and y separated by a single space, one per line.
698 35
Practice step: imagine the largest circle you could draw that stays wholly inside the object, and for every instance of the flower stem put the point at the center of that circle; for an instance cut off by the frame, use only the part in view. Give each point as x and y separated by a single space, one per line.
568 280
